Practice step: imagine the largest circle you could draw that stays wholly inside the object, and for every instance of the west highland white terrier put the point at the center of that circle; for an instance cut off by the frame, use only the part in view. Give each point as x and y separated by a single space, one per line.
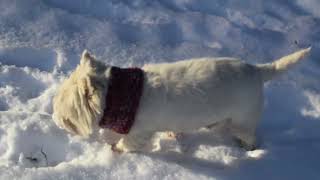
178 97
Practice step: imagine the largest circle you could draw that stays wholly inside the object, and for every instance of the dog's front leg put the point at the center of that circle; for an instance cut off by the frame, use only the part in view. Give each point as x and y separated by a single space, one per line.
133 142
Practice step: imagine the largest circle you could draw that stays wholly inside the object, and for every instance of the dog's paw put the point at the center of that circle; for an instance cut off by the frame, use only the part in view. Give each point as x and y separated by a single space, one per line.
115 149
174 135
121 147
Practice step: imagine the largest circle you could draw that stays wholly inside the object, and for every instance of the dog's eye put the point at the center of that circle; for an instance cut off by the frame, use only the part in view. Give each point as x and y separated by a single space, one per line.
89 95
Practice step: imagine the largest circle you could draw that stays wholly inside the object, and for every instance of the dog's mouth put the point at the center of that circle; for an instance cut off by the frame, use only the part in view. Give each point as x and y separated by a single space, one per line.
70 126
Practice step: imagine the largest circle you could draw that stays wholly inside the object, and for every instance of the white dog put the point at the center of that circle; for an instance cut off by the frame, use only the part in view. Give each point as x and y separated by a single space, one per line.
178 97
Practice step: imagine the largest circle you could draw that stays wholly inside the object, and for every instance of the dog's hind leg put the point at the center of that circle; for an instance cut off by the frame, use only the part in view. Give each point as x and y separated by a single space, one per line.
244 130
246 138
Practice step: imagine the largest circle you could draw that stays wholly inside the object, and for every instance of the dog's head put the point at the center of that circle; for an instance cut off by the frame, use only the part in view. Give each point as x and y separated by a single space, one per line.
79 102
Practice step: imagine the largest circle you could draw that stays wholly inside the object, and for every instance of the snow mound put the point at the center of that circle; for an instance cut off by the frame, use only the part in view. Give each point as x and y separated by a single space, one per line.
41 42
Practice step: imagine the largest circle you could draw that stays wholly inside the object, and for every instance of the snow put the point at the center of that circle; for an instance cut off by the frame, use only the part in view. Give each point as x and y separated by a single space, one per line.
41 42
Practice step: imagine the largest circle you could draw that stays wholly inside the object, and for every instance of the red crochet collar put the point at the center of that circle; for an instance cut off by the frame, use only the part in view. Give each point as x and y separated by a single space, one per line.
122 100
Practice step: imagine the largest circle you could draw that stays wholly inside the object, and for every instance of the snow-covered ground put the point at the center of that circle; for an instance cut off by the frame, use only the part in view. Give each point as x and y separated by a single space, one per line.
41 42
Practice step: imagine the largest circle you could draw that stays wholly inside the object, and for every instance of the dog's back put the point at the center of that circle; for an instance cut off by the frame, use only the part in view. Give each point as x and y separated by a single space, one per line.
194 93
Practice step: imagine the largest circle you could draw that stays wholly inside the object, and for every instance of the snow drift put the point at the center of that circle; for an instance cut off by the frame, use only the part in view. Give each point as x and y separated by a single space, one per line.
41 42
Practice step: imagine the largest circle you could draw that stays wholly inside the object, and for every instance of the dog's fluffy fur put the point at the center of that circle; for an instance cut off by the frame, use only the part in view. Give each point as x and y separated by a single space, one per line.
178 97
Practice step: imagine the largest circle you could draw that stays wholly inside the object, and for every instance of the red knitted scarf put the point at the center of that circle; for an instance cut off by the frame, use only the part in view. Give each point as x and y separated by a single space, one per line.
122 99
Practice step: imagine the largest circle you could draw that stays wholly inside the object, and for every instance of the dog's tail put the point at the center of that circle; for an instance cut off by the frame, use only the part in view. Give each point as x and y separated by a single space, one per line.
270 70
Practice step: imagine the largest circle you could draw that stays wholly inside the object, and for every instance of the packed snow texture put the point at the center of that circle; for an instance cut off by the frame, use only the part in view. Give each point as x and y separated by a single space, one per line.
41 42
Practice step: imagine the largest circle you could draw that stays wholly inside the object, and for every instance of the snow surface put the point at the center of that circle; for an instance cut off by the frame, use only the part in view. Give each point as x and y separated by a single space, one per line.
41 42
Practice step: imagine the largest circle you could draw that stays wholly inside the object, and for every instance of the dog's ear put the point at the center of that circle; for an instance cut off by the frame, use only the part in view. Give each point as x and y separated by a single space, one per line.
86 58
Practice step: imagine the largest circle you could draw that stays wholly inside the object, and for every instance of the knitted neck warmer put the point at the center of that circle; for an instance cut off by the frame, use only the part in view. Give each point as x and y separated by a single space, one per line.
122 100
